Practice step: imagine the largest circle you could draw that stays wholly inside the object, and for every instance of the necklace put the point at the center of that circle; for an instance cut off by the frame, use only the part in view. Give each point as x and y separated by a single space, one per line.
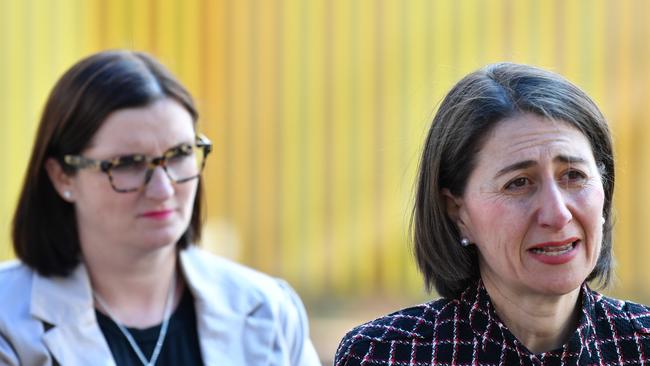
163 328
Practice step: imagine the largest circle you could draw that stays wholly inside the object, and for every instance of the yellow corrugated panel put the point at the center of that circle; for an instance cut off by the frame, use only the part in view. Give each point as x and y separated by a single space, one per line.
318 110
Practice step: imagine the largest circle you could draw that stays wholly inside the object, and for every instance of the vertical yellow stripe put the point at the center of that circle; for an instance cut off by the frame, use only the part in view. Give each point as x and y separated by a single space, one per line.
342 219
15 46
624 131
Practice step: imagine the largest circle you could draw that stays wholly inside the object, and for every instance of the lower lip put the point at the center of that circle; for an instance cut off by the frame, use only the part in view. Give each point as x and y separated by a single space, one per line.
556 259
158 215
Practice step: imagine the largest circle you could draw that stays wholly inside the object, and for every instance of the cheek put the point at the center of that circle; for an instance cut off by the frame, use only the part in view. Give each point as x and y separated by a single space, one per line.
186 194
498 221
499 227
589 204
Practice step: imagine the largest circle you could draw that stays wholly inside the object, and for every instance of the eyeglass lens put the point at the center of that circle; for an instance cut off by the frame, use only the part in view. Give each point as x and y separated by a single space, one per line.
180 164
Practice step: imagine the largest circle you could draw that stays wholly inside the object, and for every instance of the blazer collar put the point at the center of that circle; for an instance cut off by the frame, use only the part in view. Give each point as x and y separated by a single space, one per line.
234 324
65 306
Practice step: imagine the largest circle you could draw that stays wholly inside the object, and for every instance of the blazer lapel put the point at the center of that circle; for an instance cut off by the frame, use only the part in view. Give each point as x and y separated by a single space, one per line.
231 332
65 305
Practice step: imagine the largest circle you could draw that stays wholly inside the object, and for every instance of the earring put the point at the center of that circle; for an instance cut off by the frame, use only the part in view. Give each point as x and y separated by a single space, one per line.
67 194
464 242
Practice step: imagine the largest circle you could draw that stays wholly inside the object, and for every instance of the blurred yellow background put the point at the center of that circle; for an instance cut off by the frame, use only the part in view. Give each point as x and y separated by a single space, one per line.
318 110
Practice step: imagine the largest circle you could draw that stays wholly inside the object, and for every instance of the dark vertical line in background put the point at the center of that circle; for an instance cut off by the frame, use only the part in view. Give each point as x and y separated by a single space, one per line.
179 36
429 47
354 157
508 29
228 110
305 156
455 38
481 29
101 22
586 24
153 27
328 147
29 37
405 115
378 147
54 36
560 33
253 122
534 31
640 62
278 136
202 64
5 251
611 58
129 20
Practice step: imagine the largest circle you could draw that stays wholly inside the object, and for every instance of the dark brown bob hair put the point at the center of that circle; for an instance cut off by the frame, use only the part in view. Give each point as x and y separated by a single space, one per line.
471 109
44 225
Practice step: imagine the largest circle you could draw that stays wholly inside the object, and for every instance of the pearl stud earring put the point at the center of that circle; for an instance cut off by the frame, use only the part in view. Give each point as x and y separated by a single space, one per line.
464 242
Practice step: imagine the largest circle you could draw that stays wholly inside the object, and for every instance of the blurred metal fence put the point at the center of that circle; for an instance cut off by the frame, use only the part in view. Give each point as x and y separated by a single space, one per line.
318 110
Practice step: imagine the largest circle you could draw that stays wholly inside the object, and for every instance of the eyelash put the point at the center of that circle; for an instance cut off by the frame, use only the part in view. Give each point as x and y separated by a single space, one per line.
513 185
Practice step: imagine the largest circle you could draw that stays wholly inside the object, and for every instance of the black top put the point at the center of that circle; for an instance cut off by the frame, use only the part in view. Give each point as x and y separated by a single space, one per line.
467 331
181 345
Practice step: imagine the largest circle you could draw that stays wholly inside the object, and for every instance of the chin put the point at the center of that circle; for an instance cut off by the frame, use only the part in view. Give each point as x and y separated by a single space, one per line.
560 285
162 239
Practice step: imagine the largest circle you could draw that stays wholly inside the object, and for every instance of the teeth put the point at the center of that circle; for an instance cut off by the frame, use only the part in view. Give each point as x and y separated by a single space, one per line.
554 251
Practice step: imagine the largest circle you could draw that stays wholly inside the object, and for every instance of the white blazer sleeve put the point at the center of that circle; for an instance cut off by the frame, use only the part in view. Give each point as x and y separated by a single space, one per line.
296 330
7 355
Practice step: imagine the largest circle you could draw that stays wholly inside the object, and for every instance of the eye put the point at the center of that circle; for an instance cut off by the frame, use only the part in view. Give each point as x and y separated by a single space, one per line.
180 153
129 163
573 177
517 184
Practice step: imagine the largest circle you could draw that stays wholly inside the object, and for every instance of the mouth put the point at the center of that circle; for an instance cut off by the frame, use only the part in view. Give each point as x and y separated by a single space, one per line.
157 214
555 249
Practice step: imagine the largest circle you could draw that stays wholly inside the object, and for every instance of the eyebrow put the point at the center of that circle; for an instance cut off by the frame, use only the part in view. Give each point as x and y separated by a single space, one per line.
566 159
170 148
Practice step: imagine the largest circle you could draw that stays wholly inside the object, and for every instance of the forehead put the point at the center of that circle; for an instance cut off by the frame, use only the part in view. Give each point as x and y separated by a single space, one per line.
529 136
149 129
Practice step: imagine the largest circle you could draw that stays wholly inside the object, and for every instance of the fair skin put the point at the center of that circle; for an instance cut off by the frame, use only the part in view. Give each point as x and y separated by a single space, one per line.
533 207
128 240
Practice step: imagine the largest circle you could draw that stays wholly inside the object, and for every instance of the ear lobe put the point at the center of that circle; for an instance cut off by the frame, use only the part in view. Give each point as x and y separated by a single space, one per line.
61 181
455 207
452 205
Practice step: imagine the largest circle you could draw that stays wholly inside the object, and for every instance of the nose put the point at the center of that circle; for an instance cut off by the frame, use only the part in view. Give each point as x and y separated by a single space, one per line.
159 187
553 212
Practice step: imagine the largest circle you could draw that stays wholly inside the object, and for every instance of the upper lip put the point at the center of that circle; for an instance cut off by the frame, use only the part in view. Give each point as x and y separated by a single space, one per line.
156 212
555 243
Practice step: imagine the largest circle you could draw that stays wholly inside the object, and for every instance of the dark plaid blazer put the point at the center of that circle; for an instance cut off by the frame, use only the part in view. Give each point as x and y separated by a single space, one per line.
467 331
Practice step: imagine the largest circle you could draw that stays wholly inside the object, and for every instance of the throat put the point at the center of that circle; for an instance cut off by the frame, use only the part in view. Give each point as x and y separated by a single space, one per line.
541 323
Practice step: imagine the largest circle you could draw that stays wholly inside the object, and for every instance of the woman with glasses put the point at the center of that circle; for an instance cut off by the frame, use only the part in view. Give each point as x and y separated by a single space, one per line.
104 230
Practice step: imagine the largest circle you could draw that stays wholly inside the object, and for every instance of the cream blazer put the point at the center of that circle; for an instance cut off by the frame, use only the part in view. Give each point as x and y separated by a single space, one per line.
244 317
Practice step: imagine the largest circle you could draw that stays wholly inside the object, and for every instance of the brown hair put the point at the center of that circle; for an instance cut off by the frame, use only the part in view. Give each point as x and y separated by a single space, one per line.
467 114
44 227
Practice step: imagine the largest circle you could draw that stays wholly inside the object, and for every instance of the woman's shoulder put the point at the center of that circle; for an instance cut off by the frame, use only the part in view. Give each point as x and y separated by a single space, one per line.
224 272
15 293
401 329
16 279
616 311
214 278
226 288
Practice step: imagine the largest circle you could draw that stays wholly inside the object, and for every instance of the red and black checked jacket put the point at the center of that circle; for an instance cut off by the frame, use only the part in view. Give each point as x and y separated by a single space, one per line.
467 331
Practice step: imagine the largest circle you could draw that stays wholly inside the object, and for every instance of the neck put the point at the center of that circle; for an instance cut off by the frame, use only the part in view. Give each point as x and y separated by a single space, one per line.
134 287
541 322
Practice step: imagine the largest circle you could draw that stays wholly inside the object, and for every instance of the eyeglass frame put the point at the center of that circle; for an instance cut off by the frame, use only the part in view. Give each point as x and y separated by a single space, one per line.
105 166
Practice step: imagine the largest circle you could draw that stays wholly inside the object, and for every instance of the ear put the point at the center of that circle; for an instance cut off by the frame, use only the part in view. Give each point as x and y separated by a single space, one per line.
455 207
61 181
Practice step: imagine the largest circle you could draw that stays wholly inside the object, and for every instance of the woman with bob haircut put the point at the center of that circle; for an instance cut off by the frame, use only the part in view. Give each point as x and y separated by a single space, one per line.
104 230
512 219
